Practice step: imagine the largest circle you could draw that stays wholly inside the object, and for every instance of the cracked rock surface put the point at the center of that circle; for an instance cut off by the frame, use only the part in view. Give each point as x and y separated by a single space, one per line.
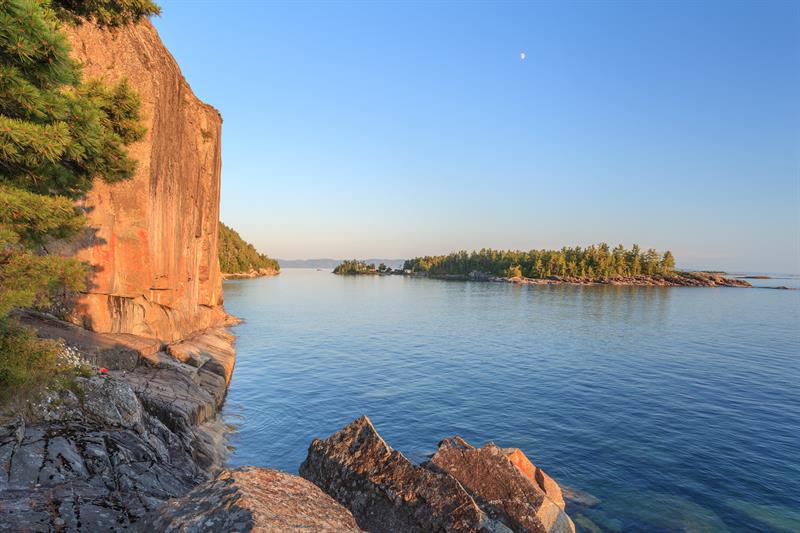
460 489
119 445
253 499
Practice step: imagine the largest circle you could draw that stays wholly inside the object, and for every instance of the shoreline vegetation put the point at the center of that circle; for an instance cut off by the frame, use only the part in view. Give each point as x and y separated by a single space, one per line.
239 259
593 265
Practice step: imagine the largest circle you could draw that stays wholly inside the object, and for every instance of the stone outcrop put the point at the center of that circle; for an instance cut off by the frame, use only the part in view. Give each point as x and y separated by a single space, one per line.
152 240
107 450
100 452
211 349
385 491
548 485
461 488
501 488
253 499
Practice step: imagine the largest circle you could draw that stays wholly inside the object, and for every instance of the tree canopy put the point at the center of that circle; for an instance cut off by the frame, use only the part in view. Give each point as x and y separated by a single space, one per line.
596 261
238 256
111 13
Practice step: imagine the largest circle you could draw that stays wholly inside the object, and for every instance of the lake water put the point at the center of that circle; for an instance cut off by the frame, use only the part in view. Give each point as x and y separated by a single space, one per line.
678 409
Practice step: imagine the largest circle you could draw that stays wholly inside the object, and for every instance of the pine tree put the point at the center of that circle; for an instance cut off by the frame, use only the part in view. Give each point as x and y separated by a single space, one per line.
667 263
57 134
111 13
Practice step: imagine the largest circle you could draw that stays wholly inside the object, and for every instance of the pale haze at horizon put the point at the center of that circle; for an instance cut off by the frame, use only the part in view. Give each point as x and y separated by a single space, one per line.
395 130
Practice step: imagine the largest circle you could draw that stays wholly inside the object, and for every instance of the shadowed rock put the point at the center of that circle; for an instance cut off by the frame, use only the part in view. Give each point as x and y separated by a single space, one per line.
385 491
253 499
114 351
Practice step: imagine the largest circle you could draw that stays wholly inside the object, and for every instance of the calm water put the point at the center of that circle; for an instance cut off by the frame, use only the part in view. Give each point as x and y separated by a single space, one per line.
678 409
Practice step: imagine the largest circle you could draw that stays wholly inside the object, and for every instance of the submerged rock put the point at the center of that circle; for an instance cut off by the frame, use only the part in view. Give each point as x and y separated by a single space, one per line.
461 488
253 499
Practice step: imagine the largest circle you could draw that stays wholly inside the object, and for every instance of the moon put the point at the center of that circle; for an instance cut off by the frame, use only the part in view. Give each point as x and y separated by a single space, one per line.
522 56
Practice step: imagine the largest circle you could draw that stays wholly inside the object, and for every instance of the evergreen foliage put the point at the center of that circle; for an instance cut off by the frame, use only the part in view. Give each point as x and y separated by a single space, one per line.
111 13
237 256
57 134
592 262
353 267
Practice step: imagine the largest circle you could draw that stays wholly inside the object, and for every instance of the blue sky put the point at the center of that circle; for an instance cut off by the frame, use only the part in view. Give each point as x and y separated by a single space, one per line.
400 129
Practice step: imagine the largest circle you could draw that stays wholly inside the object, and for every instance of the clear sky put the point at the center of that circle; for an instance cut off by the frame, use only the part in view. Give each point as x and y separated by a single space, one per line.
393 129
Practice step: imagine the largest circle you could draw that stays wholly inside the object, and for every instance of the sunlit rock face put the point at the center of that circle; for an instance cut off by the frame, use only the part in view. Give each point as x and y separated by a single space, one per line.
459 489
153 239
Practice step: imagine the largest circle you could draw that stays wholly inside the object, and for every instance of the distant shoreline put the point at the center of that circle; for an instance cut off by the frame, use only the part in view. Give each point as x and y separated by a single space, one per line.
260 273
678 279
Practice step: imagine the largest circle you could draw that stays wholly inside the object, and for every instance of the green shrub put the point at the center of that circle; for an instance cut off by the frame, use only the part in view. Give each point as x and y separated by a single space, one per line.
24 359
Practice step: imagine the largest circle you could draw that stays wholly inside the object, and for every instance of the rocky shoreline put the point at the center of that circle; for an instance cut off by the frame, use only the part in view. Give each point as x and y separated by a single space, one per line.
354 481
678 279
124 441
260 273
139 447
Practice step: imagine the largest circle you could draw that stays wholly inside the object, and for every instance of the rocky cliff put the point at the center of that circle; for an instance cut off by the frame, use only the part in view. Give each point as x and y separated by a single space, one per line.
141 424
153 239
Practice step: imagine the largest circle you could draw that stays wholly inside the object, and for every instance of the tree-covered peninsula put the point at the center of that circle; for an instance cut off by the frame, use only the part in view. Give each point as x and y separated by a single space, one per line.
593 264
238 258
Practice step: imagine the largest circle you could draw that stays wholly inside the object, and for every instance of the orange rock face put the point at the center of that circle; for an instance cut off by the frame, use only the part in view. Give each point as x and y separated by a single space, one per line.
153 239
535 474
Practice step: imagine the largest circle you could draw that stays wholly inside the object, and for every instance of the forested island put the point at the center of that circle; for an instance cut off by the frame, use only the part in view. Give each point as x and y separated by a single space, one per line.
354 267
594 264
240 259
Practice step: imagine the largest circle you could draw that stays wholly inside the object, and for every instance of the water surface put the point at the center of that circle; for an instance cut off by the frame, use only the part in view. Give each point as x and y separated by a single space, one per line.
677 408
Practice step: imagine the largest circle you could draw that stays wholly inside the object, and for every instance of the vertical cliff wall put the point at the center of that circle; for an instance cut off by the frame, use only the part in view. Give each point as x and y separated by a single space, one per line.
153 241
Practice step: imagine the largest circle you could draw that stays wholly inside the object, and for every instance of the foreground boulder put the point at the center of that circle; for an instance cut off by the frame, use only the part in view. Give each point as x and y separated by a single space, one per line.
500 487
385 491
253 499
461 489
